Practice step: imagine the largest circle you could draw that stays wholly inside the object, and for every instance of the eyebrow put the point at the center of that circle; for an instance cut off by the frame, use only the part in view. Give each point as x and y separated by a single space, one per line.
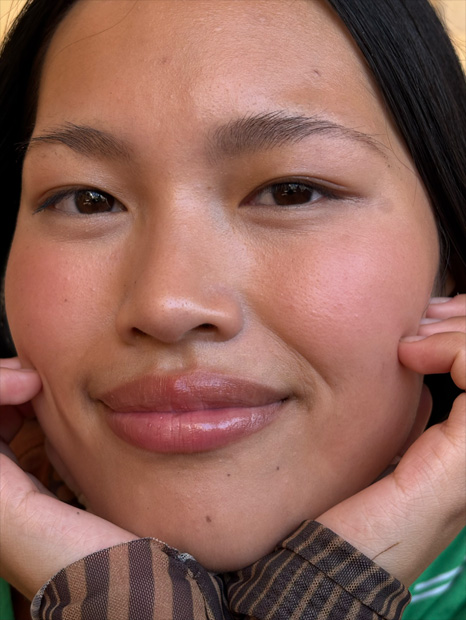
83 139
247 134
274 129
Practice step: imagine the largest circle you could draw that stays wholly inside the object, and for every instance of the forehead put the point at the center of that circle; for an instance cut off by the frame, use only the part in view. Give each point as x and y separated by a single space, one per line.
197 59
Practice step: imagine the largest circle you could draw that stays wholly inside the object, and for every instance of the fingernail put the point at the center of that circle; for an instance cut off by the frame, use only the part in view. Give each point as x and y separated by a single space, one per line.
427 321
439 300
412 338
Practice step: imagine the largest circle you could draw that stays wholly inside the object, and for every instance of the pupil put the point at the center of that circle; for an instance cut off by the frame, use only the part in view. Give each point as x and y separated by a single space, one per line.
292 194
93 202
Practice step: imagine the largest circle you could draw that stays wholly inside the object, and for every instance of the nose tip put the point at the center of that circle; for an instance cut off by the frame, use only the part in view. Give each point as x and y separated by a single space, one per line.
173 319
172 300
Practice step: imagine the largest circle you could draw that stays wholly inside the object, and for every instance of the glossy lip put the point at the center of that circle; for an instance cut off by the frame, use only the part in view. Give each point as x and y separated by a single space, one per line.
189 413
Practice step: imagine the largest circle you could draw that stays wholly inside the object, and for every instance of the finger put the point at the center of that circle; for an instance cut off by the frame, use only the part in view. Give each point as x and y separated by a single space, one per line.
10 362
446 307
435 326
439 353
18 386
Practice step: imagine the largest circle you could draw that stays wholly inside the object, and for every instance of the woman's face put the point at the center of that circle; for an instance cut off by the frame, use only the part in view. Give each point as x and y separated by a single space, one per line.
220 242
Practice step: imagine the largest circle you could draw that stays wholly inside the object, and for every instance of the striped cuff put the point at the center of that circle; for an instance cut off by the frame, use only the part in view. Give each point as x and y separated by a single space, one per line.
316 574
140 580
313 574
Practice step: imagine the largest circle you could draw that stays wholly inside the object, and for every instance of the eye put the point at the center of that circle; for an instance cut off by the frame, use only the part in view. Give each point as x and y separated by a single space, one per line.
286 194
82 202
89 201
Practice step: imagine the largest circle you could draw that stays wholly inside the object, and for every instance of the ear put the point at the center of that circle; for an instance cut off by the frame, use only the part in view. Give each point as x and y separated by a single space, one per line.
423 412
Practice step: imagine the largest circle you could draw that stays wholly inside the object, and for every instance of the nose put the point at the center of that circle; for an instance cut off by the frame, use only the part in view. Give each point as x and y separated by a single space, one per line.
179 284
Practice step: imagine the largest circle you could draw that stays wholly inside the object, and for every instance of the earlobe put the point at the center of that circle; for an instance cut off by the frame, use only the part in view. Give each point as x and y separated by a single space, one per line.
424 409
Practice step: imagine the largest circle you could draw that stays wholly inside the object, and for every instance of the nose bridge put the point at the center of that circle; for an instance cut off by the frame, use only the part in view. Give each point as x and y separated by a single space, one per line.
180 280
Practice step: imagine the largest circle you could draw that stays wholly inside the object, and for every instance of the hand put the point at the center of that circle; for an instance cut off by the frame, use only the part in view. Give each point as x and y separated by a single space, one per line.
406 519
39 535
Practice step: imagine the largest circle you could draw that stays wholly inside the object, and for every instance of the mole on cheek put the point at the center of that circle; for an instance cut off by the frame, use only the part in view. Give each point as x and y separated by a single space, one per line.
208 519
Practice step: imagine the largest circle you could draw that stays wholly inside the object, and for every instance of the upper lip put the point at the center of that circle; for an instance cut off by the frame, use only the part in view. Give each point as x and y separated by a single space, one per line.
188 392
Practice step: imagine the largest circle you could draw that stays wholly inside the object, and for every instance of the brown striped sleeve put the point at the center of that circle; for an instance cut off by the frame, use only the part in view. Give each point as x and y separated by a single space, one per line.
314 574
140 580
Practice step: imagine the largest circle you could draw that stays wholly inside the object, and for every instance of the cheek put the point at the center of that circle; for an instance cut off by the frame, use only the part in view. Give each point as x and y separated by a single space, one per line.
349 299
52 303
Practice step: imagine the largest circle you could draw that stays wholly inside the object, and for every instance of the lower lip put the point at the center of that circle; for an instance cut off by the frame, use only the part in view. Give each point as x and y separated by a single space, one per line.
191 431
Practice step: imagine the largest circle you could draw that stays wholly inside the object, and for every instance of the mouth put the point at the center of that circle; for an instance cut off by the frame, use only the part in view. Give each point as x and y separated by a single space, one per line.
184 414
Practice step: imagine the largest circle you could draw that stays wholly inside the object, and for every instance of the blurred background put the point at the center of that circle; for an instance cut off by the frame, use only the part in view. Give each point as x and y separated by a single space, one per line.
453 13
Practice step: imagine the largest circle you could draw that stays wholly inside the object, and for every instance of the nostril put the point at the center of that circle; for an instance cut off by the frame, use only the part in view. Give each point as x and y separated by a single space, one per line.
137 332
170 318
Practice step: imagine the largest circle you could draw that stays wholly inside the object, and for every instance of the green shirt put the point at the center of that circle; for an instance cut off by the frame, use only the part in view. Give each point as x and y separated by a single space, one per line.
440 592
6 609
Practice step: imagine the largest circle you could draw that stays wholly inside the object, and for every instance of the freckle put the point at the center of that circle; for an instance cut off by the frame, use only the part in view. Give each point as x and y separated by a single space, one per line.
208 519
228 475
278 468
65 300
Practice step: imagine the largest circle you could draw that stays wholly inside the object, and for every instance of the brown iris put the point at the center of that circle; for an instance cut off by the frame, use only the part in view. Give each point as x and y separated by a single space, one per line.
289 194
88 201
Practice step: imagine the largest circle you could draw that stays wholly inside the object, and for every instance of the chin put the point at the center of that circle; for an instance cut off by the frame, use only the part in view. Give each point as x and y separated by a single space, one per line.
219 547
229 556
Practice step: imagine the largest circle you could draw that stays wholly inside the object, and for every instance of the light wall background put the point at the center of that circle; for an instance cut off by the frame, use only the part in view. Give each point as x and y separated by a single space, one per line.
453 13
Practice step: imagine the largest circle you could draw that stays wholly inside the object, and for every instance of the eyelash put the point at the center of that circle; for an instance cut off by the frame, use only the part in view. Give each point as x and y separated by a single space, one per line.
286 189
59 197
289 188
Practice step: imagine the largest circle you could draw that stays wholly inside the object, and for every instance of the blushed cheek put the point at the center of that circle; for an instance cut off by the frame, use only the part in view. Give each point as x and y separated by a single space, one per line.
47 303
347 307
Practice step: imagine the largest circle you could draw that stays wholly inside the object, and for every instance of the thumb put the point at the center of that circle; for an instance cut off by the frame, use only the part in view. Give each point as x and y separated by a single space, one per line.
18 386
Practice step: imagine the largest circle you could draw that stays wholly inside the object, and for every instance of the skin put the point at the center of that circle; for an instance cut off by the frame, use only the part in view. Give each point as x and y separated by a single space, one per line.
313 300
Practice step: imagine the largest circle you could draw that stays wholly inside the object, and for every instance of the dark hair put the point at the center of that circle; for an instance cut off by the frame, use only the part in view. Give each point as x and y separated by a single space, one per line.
407 51
417 71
